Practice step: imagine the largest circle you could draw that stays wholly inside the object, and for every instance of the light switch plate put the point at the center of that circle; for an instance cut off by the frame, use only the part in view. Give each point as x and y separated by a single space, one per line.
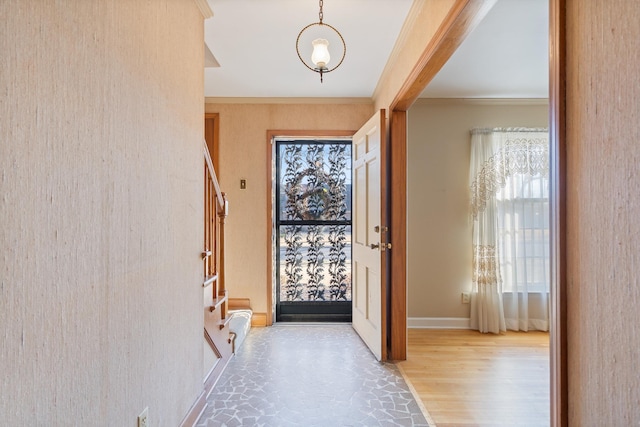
143 418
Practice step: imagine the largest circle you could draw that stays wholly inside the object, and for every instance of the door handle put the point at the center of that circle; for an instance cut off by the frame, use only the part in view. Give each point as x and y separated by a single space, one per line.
380 246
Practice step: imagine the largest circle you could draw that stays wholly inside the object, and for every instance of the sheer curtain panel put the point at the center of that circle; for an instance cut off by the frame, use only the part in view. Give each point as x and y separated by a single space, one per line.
487 314
509 184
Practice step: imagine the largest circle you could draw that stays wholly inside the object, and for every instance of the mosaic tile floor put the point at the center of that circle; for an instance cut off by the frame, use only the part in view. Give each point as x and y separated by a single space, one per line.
309 375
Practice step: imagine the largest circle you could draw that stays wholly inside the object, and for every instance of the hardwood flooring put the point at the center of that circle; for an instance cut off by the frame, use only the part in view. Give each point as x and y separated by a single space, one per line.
466 379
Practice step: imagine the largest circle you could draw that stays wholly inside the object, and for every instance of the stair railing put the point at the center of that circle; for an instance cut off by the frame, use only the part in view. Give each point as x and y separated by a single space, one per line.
216 210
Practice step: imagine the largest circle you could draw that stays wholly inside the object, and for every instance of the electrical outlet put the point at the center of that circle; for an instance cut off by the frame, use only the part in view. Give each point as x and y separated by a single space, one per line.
466 298
143 418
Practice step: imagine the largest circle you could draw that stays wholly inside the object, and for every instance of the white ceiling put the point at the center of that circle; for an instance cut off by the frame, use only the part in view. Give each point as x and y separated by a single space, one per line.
254 42
506 56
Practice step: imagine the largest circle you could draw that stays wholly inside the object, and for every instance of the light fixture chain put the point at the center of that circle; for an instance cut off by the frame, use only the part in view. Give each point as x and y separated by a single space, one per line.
320 14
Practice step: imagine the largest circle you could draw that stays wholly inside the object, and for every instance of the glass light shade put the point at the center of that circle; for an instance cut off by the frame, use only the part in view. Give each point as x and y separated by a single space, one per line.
320 55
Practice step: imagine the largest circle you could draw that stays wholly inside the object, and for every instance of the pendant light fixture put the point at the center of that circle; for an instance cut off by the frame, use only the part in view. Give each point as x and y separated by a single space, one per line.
320 57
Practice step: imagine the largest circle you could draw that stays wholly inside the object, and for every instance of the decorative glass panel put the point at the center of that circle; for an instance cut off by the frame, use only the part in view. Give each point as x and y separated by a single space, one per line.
315 263
315 182
314 221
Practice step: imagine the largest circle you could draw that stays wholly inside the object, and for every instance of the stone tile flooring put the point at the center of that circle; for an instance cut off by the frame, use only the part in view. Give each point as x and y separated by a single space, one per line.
309 375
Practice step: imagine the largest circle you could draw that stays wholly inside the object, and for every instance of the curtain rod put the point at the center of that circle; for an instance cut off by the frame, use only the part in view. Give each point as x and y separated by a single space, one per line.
489 130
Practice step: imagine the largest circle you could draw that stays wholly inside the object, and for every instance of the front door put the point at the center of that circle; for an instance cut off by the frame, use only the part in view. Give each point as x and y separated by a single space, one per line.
313 229
370 242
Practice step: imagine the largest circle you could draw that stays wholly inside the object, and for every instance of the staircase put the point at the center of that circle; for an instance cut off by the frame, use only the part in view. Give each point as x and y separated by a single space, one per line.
219 339
216 314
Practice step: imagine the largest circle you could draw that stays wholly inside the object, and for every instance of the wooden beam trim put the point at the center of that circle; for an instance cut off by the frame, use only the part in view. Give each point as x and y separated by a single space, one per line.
405 34
463 17
204 8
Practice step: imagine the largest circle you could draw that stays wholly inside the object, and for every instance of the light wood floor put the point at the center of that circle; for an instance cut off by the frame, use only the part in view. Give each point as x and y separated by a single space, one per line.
465 378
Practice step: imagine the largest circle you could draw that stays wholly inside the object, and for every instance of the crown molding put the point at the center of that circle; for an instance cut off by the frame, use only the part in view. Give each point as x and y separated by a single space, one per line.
204 7
349 101
482 101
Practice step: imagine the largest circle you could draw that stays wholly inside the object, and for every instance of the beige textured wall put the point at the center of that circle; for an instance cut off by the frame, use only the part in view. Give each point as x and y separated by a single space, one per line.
243 155
101 106
603 230
438 228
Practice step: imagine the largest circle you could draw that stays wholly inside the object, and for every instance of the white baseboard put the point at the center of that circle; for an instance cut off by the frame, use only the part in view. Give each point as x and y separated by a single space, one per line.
438 323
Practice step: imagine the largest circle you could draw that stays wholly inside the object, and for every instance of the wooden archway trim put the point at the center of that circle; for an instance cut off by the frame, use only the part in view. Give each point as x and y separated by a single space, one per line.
463 17
461 20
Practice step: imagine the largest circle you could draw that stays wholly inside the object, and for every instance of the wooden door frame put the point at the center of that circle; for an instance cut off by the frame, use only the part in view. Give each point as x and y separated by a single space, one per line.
461 20
558 207
271 135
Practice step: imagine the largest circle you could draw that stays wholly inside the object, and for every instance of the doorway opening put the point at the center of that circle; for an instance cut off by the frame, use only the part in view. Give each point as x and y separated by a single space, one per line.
557 337
312 228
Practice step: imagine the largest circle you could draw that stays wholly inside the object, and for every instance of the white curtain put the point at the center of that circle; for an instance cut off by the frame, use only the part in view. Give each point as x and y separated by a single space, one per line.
487 314
510 208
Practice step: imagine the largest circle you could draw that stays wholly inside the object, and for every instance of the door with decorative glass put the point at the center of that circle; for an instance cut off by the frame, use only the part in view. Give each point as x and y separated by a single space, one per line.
313 230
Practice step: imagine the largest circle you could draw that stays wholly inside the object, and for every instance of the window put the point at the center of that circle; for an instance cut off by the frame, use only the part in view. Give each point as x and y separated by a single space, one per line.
523 233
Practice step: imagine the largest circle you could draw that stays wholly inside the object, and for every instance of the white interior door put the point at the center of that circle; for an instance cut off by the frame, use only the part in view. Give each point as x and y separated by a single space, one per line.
368 245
